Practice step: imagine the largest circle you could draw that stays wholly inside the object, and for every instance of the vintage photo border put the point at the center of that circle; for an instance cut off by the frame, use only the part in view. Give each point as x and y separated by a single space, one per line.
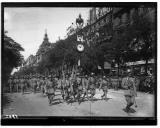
79 120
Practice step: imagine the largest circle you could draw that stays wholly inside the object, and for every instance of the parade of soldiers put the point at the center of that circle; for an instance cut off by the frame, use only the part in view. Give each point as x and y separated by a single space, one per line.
74 87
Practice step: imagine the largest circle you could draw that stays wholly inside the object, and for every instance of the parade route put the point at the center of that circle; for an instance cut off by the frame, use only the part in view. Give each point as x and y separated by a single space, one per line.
31 104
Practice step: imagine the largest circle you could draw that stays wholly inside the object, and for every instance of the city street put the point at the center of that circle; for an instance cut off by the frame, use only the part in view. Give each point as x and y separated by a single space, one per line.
31 104
79 61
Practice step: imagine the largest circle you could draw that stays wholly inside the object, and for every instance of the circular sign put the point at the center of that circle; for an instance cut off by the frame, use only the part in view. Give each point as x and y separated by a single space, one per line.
80 47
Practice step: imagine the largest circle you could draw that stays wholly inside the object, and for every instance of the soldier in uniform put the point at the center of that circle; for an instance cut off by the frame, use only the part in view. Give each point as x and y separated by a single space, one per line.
85 83
34 84
79 87
104 86
43 85
38 83
30 82
14 83
50 90
17 84
23 84
92 85
63 86
67 88
130 92
10 82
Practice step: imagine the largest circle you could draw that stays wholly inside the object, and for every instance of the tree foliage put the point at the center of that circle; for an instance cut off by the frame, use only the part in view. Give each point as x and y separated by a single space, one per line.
11 56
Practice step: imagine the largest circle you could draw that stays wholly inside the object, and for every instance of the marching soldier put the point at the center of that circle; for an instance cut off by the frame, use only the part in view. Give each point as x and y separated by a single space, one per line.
43 85
14 83
38 83
10 82
34 83
63 87
50 90
17 84
104 86
30 82
72 82
130 92
79 87
92 85
23 84
85 83
67 87
59 83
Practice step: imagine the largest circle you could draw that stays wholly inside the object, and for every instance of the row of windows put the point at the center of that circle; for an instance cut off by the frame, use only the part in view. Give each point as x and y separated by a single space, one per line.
97 13
101 23
128 16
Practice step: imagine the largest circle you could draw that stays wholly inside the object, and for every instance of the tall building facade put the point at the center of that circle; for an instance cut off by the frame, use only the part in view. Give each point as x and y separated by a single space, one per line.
43 48
123 17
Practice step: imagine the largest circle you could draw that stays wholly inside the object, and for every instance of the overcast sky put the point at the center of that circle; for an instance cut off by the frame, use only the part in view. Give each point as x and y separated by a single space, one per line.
27 25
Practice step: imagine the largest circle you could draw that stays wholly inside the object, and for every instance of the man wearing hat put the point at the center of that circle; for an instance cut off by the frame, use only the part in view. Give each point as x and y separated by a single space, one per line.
104 86
130 91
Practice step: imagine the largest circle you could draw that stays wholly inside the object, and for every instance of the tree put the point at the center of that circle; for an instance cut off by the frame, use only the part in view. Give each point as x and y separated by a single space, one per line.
141 36
136 41
11 56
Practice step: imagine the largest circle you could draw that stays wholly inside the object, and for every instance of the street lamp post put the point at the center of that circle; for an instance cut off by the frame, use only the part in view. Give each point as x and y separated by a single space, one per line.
80 46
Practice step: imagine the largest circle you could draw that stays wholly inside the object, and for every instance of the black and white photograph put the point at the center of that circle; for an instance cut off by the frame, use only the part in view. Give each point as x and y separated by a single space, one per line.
79 61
